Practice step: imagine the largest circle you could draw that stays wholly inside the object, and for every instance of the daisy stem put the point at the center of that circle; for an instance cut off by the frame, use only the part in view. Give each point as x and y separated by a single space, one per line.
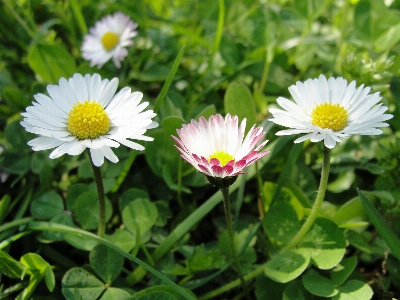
317 204
228 219
102 201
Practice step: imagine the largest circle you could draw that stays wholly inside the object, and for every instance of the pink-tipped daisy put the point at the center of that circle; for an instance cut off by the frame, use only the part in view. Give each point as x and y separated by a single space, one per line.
108 39
218 147
330 110
85 112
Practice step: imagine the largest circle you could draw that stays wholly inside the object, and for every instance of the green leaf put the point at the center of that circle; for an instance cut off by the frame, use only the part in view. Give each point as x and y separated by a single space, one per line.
266 288
86 283
326 243
17 136
381 226
74 191
354 290
63 218
130 195
362 19
239 101
11 267
318 285
288 266
4 207
123 239
281 222
343 270
51 62
171 124
387 31
351 211
139 216
15 161
160 292
80 242
87 210
295 291
115 294
47 206
106 262
207 112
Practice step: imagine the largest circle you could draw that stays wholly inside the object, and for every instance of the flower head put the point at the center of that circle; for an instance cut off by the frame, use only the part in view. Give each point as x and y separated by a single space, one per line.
330 110
85 112
217 147
108 39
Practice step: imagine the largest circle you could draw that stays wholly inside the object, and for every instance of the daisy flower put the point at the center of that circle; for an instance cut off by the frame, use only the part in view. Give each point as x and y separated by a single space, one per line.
217 147
85 112
108 39
330 110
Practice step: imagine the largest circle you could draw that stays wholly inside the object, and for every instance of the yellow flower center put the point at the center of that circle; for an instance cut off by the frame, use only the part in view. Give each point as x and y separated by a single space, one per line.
88 120
329 115
109 40
222 156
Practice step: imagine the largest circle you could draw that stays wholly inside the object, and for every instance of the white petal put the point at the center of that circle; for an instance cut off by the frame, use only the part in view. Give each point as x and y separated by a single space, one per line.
97 157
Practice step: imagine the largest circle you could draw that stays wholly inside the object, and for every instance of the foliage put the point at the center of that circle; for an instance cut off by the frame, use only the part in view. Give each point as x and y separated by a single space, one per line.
165 234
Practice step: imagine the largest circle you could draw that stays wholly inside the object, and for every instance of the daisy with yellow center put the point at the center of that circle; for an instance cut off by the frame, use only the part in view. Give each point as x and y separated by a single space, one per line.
85 112
108 39
330 110
218 147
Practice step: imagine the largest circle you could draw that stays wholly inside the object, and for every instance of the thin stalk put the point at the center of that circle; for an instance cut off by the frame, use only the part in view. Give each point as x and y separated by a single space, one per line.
233 284
15 223
228 219
102 200
317 204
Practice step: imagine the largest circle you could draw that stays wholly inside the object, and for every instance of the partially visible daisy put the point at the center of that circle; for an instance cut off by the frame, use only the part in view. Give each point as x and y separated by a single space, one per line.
108 39
330 110
218 147
85 112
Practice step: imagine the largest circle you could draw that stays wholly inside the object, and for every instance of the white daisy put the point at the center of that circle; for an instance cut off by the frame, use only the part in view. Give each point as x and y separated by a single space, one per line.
330 110
85 112
217 148
108 39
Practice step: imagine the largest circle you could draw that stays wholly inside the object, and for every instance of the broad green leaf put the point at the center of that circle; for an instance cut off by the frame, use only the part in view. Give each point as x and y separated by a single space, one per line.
51 62
386 31
86 283
351 211
161 153
266 288
106 262
15 161
74 191
207 112
171 124
362 19
123 239
80 242
47 206
139 216
115 294
130 195
281 222
343 270
288 266
87 210
326 243
63 218
354 290
239 101
295 291
11 267
160 292
381 226
318 285
17 136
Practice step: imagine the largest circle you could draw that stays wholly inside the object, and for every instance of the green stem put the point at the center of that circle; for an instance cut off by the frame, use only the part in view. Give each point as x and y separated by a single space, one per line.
233 284
102 201
317 204
15 223
228 219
